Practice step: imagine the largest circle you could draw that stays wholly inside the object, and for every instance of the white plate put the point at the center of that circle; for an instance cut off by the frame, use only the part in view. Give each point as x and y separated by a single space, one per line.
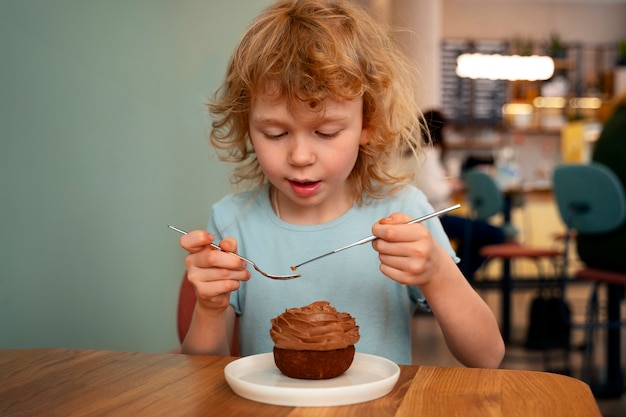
257 378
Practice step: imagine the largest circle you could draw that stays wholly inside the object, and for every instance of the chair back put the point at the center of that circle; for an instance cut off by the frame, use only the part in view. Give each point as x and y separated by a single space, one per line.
590 198
483 194
185 307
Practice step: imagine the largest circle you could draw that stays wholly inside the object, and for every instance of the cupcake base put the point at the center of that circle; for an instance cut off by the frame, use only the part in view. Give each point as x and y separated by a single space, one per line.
313 364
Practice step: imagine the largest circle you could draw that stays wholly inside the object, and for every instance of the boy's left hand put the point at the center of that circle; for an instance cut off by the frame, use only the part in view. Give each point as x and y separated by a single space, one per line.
407 252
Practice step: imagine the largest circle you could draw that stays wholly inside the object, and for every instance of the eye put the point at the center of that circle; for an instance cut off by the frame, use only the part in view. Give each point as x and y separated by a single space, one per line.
327 135
274 136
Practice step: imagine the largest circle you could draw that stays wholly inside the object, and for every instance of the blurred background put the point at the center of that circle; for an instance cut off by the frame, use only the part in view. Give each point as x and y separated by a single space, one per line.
104 138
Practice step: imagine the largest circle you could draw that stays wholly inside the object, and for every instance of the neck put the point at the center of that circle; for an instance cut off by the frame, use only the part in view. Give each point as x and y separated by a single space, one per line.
308 215
274 201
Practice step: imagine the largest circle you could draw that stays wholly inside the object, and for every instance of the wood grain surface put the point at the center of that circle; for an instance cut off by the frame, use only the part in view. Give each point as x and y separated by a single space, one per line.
72 382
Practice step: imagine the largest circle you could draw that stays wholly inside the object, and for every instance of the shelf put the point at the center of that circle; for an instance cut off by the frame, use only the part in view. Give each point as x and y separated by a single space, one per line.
564 64
535 131
469 145
477 109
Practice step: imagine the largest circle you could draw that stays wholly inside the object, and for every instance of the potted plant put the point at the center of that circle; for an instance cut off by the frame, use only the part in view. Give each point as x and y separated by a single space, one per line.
619 72
556 47
523 46
621 53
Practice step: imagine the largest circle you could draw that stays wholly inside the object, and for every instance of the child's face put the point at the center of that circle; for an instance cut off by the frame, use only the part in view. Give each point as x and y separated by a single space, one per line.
307 154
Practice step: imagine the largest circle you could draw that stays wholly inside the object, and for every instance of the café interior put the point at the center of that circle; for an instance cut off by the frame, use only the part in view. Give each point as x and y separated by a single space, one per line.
104 240
519 127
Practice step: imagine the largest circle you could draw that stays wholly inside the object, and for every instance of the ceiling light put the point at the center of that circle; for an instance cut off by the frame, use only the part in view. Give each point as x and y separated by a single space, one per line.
585 103
549 102
505 67
517 109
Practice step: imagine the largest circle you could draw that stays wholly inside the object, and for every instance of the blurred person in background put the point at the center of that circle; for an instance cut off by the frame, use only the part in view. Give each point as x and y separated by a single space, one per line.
606 251
439 186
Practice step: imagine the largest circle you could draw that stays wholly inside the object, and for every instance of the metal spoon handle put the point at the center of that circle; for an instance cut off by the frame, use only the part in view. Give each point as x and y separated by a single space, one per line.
255 266
213 245
372 237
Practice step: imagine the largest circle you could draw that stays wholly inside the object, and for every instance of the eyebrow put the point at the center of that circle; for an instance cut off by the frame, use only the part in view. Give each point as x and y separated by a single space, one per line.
322 119
265 120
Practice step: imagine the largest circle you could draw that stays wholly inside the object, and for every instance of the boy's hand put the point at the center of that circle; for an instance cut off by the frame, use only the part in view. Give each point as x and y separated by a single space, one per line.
407 252
214 274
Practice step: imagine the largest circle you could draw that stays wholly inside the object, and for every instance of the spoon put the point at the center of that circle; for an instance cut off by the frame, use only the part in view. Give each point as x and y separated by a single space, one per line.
271 276
372 237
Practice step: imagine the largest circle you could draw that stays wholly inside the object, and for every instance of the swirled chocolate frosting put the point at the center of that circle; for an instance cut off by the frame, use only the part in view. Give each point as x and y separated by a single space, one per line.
318 326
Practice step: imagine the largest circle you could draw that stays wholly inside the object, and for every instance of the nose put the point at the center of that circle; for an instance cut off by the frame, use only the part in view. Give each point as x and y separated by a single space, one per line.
301 151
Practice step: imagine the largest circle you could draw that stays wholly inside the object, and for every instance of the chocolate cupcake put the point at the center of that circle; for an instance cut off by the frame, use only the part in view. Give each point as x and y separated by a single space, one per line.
314 342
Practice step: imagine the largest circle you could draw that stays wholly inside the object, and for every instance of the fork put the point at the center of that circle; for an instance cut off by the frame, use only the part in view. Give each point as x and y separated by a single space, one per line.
271 276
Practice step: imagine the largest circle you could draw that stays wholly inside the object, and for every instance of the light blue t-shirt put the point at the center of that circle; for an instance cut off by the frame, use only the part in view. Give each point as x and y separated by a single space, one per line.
350 280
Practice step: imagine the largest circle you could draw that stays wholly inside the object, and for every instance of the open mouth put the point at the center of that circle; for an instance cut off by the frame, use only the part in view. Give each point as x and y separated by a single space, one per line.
304 183
304 188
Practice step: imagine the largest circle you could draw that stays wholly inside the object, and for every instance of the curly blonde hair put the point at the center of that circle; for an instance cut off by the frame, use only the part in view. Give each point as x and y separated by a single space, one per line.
311 50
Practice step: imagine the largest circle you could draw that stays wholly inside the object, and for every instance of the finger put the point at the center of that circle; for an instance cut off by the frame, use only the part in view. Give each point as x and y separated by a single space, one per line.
213 294
398 233
386 228
207 286
395 218
410 265
212 282
196 240
229 244
208 257
397 274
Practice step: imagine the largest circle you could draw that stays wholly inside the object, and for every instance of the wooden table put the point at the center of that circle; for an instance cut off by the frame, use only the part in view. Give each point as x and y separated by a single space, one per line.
63 382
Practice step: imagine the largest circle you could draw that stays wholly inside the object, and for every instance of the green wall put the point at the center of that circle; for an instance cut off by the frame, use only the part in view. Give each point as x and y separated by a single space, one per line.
102 144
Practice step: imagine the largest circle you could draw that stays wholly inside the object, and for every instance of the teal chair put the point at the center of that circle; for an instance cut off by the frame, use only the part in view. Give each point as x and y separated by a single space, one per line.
591 200
483 194
486 200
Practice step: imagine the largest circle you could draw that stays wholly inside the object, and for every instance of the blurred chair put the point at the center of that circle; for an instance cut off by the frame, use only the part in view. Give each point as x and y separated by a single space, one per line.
591 200
486 200
186 305
184 313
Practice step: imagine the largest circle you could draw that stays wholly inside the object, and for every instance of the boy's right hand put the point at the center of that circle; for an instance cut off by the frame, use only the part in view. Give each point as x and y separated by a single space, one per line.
214 274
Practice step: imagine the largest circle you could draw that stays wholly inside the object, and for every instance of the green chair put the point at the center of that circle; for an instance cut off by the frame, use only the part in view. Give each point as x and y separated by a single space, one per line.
591 200
484 196
487 200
